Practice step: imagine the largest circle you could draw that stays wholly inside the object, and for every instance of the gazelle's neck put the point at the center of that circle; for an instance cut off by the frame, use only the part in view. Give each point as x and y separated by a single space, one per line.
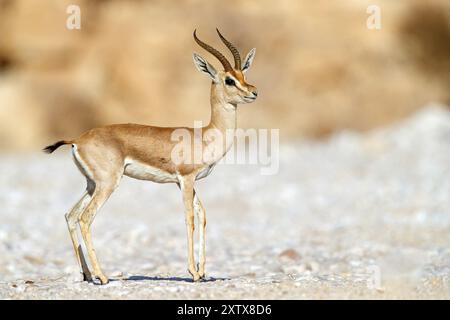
223 114
223 119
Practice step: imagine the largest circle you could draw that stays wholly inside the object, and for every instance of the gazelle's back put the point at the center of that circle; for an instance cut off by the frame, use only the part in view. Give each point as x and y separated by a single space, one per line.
125 143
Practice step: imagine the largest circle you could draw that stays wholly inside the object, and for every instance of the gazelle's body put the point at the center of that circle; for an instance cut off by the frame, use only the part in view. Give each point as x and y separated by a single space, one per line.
105 154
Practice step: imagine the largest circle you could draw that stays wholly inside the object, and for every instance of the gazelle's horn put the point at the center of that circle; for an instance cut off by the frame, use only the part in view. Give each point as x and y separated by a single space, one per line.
214 52
234 51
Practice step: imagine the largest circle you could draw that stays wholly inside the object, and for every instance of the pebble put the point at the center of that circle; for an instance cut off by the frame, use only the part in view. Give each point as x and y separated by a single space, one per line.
290 254
117 274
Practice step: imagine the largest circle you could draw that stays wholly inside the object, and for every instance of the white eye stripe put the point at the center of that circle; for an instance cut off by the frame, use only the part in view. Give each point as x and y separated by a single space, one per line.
240 87
236 82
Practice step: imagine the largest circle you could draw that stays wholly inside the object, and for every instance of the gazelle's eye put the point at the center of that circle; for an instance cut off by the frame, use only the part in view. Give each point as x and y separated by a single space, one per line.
229 82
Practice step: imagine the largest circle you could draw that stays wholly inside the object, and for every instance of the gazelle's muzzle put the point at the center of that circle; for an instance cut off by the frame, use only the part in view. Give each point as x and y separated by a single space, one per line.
252 95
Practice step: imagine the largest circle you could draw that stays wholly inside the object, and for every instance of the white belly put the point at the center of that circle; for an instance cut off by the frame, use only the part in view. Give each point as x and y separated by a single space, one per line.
139 170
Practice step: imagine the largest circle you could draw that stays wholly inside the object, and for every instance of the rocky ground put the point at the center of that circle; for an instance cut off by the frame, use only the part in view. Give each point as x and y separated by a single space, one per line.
355 216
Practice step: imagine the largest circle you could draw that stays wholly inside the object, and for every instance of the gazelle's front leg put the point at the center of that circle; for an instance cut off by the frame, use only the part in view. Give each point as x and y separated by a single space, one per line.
202 226
187 189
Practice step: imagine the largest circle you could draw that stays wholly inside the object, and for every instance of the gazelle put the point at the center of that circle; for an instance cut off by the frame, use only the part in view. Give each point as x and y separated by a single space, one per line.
105 154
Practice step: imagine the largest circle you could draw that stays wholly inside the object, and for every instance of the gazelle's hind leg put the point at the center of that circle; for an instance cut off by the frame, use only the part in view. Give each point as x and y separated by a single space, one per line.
100 195
72 218
103 169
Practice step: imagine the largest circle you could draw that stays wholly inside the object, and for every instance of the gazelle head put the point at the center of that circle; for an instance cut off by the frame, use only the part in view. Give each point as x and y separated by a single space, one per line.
231 81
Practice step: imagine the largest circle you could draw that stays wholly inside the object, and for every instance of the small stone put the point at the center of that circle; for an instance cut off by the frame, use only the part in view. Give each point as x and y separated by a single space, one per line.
117 274
34 260
289 254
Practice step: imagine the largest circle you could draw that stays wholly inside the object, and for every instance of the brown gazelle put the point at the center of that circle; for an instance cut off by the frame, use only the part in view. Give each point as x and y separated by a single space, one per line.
105 154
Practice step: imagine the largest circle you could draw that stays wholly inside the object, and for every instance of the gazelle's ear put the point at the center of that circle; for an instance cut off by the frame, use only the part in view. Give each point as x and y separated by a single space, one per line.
248 60
204 66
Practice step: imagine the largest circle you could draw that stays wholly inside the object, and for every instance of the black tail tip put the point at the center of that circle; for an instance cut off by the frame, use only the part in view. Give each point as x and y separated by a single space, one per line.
49 149
53 147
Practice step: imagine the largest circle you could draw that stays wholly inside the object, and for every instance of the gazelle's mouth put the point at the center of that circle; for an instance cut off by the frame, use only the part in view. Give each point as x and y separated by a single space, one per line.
251 98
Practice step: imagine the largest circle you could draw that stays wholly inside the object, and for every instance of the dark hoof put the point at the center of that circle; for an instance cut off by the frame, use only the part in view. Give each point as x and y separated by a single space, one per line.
87 277
103 280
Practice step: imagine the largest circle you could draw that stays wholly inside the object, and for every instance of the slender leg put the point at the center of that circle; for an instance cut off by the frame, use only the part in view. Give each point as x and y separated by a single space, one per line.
187 189
99 197
72 218
200 210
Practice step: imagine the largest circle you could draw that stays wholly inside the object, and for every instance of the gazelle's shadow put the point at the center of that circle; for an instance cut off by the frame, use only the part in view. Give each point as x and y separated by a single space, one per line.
181 279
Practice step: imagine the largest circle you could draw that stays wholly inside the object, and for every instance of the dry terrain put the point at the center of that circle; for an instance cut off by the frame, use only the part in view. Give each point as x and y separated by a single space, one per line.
353 216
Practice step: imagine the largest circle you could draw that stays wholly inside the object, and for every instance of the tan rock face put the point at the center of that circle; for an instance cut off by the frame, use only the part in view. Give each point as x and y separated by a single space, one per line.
318 68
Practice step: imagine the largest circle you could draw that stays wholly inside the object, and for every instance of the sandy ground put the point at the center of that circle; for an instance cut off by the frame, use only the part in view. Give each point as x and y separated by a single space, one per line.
355 216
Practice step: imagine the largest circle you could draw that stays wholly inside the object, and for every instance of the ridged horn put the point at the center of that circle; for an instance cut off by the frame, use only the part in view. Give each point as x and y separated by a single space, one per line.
234 51
214 52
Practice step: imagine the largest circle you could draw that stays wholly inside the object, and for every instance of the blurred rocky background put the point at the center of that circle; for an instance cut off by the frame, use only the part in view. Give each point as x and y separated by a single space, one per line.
318 68
371 195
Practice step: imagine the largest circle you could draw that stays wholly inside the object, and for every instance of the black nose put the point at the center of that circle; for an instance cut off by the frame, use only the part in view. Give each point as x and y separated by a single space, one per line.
255 93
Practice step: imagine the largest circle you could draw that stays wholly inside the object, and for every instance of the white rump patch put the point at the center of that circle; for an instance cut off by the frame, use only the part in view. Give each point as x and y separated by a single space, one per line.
80 163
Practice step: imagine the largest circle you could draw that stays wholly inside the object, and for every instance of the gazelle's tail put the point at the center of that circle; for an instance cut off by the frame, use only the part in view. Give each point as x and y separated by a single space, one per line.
53 147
